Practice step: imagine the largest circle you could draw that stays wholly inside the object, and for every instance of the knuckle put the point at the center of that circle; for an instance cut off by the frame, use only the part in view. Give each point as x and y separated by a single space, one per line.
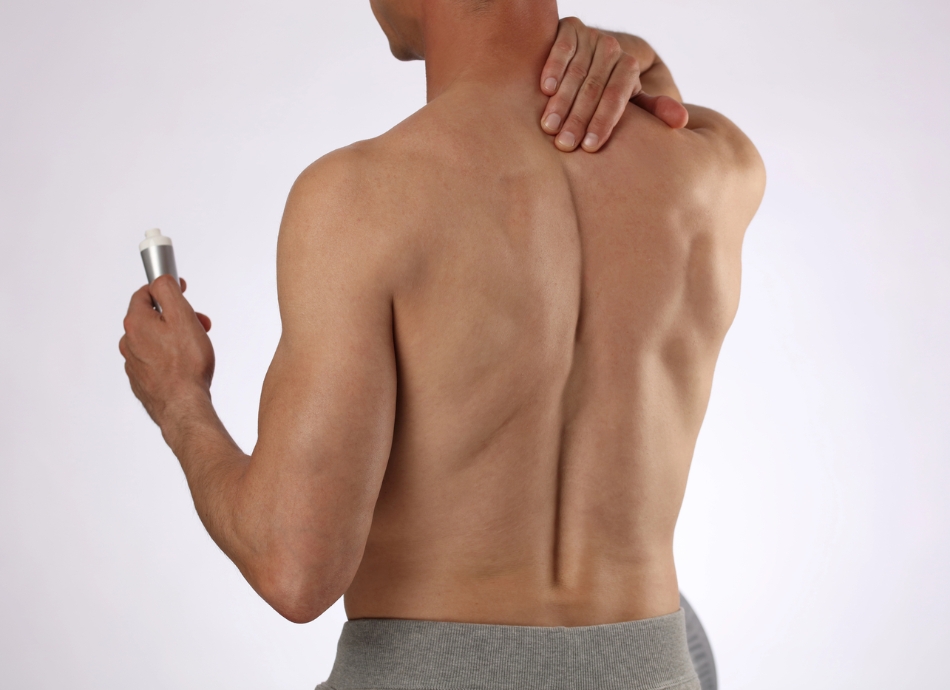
611 45
614 96
561 106
629 63
593 85
575 123
576 71
558 105
563 45
600 124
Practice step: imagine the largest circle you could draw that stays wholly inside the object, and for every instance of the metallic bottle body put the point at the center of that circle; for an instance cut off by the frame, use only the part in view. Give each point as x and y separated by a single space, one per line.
159 260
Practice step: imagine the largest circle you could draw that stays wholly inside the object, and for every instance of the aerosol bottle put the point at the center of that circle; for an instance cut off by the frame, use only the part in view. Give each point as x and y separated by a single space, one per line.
158 255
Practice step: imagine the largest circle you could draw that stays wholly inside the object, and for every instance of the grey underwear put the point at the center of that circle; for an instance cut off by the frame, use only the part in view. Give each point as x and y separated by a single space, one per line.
386 654
699 649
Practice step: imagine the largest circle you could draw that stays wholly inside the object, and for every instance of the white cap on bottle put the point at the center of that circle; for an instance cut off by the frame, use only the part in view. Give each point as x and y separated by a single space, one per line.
154 238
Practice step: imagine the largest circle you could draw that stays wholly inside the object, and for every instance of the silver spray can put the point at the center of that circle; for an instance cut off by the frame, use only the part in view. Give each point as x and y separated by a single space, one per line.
158 255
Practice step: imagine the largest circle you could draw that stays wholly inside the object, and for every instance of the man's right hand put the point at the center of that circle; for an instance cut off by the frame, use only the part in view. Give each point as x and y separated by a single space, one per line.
168 355
591 75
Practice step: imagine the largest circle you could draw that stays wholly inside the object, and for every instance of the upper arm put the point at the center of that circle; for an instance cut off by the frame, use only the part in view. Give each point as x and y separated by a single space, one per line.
734 169
726 181
328 403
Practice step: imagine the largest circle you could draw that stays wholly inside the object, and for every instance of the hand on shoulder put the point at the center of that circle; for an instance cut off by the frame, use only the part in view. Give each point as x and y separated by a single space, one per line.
590 77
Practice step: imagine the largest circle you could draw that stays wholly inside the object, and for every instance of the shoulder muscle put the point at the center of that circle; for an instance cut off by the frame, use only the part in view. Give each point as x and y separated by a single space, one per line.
731 156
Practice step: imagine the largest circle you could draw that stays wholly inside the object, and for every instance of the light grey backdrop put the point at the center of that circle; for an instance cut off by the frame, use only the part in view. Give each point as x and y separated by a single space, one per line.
814 539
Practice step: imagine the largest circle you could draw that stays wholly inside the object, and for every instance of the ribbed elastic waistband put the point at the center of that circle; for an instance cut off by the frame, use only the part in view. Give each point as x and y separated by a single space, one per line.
647 654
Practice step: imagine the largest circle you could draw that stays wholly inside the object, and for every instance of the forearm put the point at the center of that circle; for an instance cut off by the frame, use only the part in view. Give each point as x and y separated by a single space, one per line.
291 520
265 520
655 76
214 467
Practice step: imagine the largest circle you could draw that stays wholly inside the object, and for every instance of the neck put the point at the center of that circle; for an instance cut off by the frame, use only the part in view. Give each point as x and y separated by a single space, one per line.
505 43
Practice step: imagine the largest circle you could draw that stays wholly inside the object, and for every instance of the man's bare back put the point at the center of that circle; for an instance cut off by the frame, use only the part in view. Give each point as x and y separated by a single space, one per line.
556 319
495 361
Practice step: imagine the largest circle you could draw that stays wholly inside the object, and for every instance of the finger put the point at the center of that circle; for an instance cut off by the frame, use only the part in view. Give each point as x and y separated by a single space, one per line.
561 53
140 300
624 82
667 109
205 321
184 285
166 292
140 307
607 53
132 335
126 349
555 113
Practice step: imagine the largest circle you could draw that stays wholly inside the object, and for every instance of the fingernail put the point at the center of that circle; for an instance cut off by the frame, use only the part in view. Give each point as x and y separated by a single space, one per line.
590 141
566 139
550 84
552 121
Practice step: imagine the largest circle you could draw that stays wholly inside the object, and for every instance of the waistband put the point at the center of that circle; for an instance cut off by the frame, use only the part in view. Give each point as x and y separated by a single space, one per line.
647 654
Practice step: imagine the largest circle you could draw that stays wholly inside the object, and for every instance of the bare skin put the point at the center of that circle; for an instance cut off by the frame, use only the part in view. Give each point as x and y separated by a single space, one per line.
496 356
590 75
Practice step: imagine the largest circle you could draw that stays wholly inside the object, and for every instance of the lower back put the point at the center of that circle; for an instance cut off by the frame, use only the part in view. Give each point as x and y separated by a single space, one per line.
554 367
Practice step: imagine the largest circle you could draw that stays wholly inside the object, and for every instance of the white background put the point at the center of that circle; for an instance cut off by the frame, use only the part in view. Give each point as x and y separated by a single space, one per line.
814 540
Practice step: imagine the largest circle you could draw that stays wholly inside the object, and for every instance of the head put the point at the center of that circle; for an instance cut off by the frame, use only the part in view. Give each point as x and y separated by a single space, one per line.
402 22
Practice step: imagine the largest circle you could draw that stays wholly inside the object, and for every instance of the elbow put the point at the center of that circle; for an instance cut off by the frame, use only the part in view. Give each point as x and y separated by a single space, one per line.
298 592
299 613
297 606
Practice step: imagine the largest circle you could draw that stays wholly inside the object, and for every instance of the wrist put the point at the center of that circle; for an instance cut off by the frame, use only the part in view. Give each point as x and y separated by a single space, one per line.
182 413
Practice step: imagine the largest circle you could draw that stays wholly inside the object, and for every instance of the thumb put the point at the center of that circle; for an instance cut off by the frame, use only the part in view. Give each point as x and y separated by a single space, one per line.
667 109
